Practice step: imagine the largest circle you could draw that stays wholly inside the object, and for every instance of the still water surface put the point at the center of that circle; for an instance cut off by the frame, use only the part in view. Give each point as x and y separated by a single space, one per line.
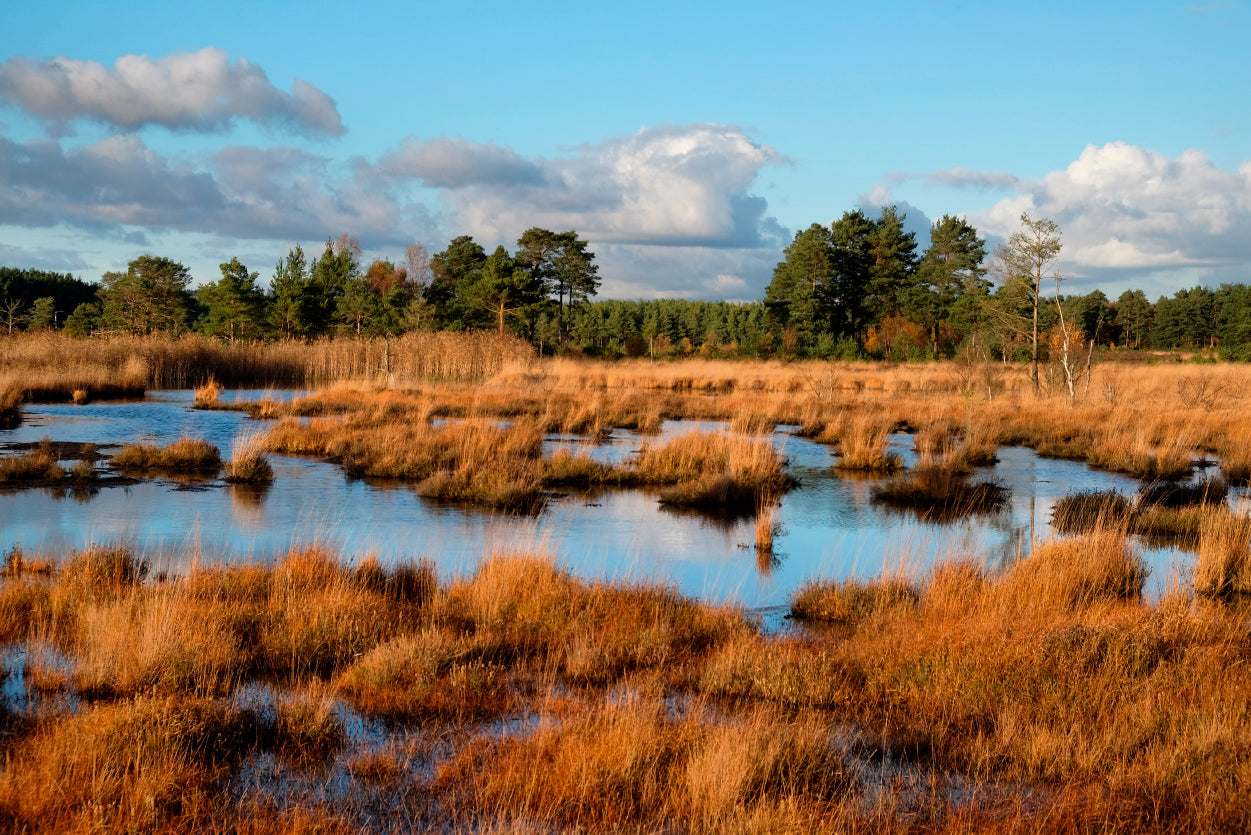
830 525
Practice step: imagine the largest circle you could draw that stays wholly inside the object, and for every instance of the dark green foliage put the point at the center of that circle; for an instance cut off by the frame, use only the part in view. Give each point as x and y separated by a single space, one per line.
1135 318
43 314
287 290
1187 320
562 268
503 288
83 320
950 270
27 286
235 305
452 270
150 296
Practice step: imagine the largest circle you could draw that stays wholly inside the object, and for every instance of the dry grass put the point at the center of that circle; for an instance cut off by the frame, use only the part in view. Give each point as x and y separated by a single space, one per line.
862 446
713 471
186 455
208 395
248 464
631 766
1050 690
940 493
10 406
1095 509
1223 567
850 601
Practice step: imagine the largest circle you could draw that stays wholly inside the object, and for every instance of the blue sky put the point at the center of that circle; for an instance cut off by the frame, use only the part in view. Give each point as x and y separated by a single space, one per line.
687 142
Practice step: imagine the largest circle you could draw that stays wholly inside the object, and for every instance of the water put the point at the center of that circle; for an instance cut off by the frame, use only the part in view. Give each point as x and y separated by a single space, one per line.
830 525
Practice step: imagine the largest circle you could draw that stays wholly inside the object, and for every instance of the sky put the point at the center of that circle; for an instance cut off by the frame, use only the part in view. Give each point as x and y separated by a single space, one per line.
686 142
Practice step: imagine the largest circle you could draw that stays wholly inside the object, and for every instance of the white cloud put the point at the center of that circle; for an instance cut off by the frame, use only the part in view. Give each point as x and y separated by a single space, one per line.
676 186
1124 208
667 211
201 91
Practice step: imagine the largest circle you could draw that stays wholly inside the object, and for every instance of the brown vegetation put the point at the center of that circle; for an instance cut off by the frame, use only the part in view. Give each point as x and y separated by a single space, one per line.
185 455
1050 690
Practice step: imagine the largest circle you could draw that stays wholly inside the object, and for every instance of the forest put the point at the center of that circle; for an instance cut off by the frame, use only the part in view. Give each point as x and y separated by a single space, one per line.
858 288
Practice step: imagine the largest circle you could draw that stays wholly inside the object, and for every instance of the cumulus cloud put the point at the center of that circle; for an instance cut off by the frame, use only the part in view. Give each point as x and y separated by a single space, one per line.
673 186
1127 209
197 91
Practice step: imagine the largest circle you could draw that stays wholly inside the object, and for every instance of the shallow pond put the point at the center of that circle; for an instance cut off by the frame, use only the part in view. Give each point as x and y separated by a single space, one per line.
830 525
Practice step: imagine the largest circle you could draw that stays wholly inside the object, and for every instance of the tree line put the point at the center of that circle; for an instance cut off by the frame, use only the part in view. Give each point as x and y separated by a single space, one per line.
857 287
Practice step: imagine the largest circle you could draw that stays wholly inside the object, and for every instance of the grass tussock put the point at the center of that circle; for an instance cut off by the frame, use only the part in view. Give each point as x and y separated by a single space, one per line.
850 601
1162 511
185 455
1223 567
713 471
1091 510
1078 572
941 493
248 464
130 766
208 395
1210 491
863 444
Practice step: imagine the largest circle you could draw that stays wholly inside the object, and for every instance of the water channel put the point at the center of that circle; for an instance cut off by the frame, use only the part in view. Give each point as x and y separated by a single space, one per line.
831 527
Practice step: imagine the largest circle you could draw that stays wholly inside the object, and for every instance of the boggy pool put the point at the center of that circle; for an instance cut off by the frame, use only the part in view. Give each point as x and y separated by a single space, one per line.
831 527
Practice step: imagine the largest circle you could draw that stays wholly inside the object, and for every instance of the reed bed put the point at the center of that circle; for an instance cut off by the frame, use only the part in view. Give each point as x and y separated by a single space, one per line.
51 365
862 446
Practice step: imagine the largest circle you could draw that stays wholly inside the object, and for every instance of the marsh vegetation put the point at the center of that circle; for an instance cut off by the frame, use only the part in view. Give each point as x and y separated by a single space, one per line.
1054 690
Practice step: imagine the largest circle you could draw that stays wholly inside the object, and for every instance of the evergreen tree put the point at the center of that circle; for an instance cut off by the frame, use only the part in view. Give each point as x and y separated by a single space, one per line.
235 305
287 291
1135 316
82 321
797 294
43 314
452 270
950 269
845 296
503 288
892 265
562 266
150 296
